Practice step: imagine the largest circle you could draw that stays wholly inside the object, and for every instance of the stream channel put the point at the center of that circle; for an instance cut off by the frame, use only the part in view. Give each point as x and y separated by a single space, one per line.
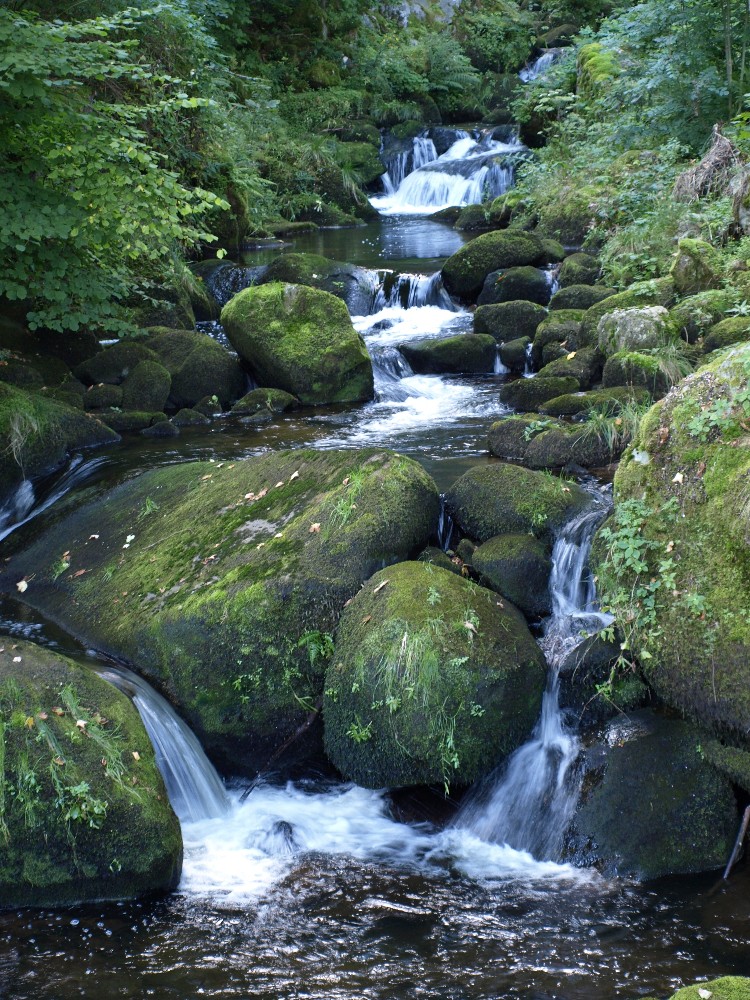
323 890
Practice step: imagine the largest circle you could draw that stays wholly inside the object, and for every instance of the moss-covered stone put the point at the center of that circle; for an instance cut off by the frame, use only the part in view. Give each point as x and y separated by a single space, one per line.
637 329
345 281
509 320
363 158
658 292
550 444
696 268
580 296
516 284
187 417
474 218
498 498
634 370
695 315
467 352
464 273
199 367
161 429
733 330
560 327
553 251
301 340
609 400
579 269
37 433
125 421
691 498
20 374
584 365
518 567
514 354
528 394
146 387
229 569
99 397
681 814
731 761
587 688
726 988
85 814
273 400
431 681
113 363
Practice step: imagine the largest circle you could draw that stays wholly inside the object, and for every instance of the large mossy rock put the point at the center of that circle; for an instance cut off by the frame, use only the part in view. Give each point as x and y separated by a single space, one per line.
468 352
497 498
579 269
509 320
651 805
697 267
517 284
114 363
563 326
726 988
656 292
733 330
37 433
199 367
431 680
695 315
528 394
550 444
346 281
464 273
634 370
637 329
146 387
682 489
84 814
301 340
518 567
580 296
514 354
206 578
585 366
609 401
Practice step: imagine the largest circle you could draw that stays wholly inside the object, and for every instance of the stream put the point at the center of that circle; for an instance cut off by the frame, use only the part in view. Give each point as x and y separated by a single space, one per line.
321 890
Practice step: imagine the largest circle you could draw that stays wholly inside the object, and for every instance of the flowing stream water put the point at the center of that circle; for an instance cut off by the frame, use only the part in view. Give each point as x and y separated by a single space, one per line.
317 889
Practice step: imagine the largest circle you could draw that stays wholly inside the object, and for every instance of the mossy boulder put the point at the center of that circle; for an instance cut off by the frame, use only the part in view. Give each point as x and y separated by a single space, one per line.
188 417
696 268
643 327
579 269
580 296
20 374
464 273
522 284
146 387
691 498
592 689
363 158
113 363
571 216
301 340
681 814
584 365
431 681
657 292
467 352
346 281
695 315
509 320
229 568
560 327
514 354
528 394
550 444
473 218
199 367
125 421
726 988
85 814
734 330
272 400
518 567
102 396
634 370
37 433
604 400
498 498
553 251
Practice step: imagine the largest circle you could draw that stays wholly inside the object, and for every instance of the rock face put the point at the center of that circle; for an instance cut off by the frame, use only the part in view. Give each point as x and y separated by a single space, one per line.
518 567
635 329
430 681
470 352
85 814
208 579
464 273
498 499
682 491
301 340
681 814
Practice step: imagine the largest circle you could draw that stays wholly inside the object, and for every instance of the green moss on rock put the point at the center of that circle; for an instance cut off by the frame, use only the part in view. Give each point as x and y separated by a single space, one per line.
516 284
550 444
84 814
465 353
658 292
734 330
509 320
634 370
726 988
146 387
301 340
697 267
528 394
113 363
584 365
430 680
561 327
637 329
199 367
464 273
102 396
514 354
579 269
609 400
695 315
580 296
273 400
518 567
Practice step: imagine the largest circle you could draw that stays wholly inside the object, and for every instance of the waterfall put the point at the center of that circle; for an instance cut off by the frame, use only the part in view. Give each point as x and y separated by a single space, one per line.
540 65
404 161
195 789
500 368
528 366
529 804
468 172
407 291
445 526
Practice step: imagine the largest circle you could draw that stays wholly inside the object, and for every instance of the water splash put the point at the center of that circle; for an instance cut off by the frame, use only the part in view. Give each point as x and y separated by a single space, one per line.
539 66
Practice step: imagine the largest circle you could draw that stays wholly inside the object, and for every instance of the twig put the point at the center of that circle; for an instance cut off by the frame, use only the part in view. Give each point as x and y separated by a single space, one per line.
738 842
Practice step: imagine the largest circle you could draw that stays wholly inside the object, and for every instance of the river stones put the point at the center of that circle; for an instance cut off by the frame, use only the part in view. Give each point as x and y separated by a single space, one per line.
527 284
301 340
36 434
695 315
697 267
562 327
579 269
580 296
656 292
683 490
651 806
518 567
467 352
84 814
346 281
527 394
509 320
584 365
221 582
635 371
514 354
609 401
464 273
199 367
146 387
733 330
498 499
265 400
636 329
431 680
113 363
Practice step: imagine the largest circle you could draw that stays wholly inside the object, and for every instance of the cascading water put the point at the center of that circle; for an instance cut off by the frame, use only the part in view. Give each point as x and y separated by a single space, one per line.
409 291
540 65
404 161
195 789
530 806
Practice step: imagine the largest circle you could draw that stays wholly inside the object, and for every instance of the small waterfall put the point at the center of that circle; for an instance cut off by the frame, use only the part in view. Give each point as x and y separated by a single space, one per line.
404 161
445 526
528 367
552 275
540 65
500 368
195 789
225 281
531 804
407 291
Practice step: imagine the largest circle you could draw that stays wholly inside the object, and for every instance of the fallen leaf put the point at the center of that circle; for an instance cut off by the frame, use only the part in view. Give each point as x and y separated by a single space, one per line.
29 723
278 485
471 627
569 357
670 546
566 489
279 534
81 723
260 545
663 435
79 572
381 585
366 619
16 659
262 493
58 760
701 468
294 475
136 755
346 481
219 465
249 496
315 528
42 715
204 478
57 710
500 604
22 586
678 477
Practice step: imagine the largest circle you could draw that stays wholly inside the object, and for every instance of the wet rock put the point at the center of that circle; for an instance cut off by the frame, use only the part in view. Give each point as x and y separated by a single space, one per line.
430 680
514 354
345 281
509 320
580 296
563 326
100 397
528 394
695 315
636 371
518 567
200 367
604 400
131 420
273 400
86 815
188 417
113 363
161 429
550 444
657 292
516 284
468 352
464 273
146 387
587 688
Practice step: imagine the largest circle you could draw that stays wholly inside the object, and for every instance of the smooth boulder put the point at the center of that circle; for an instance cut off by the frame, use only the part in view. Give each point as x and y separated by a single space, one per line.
464 273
